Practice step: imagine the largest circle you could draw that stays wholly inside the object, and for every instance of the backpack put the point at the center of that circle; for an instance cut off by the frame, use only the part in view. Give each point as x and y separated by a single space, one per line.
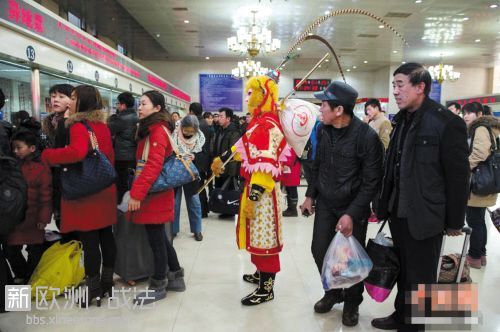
13 194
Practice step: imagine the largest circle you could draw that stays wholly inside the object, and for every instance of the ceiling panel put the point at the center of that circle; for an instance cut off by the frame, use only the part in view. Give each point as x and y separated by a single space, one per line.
215 20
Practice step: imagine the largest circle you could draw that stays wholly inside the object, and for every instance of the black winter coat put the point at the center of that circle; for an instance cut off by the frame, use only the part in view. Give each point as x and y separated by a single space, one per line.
224 140
345 175
434 171
123 127
202 160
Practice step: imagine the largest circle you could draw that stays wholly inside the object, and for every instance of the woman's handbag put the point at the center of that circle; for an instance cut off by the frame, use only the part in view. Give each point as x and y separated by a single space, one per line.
485 178
90 176
176 171
382 277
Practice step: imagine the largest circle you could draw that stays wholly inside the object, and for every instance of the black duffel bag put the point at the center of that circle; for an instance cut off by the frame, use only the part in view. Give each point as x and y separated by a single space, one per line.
485 178
226 201
385 271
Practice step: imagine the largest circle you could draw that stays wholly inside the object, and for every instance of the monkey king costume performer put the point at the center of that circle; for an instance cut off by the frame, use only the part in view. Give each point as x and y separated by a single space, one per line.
261 150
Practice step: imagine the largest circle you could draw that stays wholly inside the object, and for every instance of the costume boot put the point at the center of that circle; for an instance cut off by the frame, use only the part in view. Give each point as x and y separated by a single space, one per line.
176 281
94 291
107 281
156 291
262 294
291 210
252 278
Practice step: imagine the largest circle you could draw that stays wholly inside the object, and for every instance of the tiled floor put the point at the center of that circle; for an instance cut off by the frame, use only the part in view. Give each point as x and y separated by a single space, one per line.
214 287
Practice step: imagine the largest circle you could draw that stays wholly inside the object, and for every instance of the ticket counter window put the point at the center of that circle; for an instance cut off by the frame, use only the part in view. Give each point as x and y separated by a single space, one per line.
15 82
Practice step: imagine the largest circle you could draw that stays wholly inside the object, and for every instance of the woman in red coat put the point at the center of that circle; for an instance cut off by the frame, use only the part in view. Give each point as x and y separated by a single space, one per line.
91 216
155 209
290 180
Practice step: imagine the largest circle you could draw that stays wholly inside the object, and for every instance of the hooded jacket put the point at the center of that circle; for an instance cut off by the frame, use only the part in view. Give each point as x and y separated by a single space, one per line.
37 176
480 150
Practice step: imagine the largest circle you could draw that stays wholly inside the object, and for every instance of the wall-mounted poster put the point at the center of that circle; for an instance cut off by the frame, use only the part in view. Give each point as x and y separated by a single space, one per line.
221 90
435 93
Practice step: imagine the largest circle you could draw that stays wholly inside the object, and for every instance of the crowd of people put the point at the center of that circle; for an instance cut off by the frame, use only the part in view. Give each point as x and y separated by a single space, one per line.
413 171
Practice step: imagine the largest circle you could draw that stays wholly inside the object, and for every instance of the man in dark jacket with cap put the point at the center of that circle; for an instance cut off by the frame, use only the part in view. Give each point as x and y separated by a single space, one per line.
425 186
347 171
123 126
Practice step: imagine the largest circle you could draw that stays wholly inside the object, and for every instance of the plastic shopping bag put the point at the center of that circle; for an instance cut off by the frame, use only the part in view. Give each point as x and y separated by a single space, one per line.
61 266
346 263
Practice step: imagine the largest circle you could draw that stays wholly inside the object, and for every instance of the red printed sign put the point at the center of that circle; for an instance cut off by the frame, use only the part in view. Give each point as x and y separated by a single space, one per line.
24 17
482 100
29 17
311 85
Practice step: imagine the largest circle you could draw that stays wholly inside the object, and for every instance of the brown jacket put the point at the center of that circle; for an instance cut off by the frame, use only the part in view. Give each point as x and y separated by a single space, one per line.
480 150
383 128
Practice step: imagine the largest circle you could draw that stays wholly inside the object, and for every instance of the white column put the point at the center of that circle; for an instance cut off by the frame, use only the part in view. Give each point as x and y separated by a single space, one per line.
495 86
35 93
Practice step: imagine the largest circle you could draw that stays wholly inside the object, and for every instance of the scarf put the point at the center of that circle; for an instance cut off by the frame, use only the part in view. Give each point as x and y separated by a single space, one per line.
144 124
189 145
55 119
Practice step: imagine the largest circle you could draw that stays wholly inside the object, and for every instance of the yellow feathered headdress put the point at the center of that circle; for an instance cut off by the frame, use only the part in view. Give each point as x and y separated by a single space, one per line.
264 94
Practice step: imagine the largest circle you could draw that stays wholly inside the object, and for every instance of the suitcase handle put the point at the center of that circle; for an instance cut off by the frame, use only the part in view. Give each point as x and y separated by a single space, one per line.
467 231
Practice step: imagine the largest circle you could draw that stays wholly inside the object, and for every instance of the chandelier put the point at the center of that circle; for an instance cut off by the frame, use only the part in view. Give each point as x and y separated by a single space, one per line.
249 68
442 73
253 39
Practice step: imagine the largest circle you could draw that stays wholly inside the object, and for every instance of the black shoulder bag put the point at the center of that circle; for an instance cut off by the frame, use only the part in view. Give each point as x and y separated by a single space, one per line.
485 178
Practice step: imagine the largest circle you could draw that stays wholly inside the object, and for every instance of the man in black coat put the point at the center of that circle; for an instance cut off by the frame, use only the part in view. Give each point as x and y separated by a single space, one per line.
346 175
123 126
224 140
425 186
202 159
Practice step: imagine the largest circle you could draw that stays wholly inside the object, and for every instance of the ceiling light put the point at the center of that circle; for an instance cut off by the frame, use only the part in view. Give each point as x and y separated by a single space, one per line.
354 67
327 12
442 72
253 39
326 60
157 35
249 68
207 58
186 21
465 19
394 52
299 49
493 6
403 62
477 40
365 61
381 26
348 69
310 34
418 1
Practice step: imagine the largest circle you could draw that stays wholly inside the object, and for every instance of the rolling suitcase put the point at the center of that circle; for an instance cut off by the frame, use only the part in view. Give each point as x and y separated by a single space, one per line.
453 268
